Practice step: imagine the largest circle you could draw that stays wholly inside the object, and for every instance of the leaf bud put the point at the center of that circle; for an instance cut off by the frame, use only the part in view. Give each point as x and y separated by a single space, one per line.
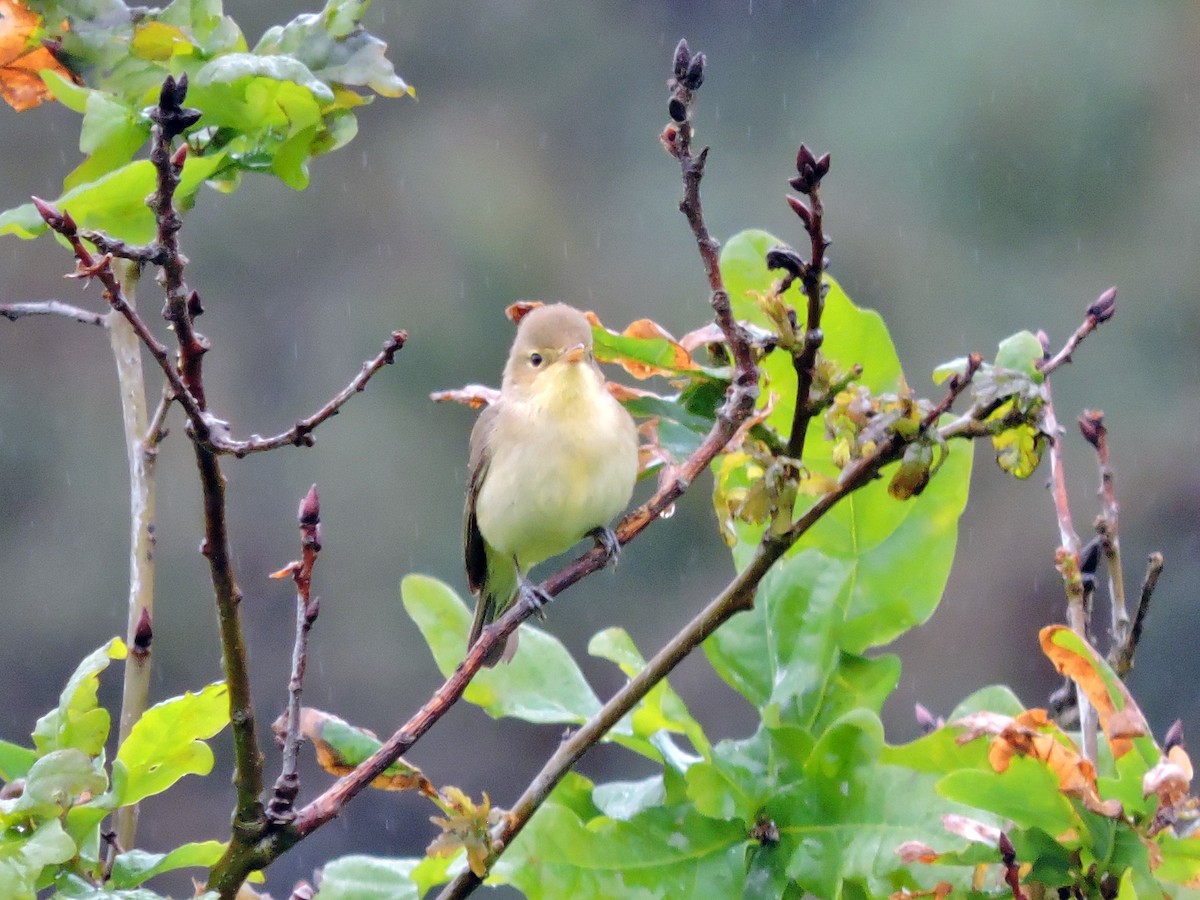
310 508
800 208
1104 306
677 110
784 257
683 56
1091 425
695 72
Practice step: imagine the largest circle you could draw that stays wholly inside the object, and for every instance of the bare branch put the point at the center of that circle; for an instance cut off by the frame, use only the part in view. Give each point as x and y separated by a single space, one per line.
287 787
1124 663
300 434
14 311
1100 311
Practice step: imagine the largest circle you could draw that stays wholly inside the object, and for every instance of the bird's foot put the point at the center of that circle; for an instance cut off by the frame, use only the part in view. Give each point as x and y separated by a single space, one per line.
606 540
532 596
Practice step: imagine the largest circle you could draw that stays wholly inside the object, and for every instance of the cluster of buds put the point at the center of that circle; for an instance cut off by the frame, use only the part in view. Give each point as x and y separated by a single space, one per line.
170 114
688 75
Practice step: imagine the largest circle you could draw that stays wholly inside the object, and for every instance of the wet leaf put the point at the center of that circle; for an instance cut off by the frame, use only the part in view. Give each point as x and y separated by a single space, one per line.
341 746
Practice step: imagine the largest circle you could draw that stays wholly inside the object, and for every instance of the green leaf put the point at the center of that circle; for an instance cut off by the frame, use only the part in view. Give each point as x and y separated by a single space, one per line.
1021 352
167 742
57 781
658 853
359 877
1027 793
898 554
542 683
661 709
133 867
337 49
23 858
15 761
622 800
116 202
79 722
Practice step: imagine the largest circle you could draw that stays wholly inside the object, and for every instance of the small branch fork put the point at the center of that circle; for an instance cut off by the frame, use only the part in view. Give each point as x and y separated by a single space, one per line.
287 787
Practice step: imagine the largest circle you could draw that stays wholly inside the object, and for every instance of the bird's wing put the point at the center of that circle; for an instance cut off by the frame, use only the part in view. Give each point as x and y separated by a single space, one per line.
474 547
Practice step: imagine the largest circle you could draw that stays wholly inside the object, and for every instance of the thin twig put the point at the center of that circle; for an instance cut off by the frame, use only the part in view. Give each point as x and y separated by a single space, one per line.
1067 563
1091 424
1101 310
287 787
14 311
810 170
301 434
1154 567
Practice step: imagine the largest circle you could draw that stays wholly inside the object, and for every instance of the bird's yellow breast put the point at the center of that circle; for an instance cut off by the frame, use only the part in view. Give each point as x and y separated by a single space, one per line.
563 460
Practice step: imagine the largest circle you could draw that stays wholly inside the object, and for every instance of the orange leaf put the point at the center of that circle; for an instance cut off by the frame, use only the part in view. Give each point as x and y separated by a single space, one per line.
1074 657
22 58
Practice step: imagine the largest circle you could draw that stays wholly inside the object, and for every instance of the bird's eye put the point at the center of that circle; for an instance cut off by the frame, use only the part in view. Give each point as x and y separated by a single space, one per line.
535 359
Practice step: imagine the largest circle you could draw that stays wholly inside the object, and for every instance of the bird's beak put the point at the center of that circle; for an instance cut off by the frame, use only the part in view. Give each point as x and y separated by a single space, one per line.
574 353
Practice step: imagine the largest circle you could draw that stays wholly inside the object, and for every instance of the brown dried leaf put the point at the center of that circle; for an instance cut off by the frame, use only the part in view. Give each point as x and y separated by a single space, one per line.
517 311
21 59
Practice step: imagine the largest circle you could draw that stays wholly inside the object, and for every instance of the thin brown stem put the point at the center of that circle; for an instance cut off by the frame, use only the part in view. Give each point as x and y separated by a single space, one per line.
301 434
1067 563
1091 424
1124 663
1100 311
287 787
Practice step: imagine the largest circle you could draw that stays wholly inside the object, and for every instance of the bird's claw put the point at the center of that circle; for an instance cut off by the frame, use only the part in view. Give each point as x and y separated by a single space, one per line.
533 596
606 540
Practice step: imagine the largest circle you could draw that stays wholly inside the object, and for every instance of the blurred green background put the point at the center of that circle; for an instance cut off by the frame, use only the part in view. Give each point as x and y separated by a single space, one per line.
995 167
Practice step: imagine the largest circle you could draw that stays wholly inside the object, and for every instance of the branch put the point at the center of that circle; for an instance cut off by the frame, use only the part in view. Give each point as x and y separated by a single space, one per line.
737 596
14 311
810 170
300 434
1100 311
1124 663
287 787
1091 424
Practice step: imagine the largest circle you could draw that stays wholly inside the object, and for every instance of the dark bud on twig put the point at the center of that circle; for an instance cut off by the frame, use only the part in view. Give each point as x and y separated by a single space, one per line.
784 257
170 115
695 72
1174 737
143 634
310 508
179 157
1007 851
1091 425
1089 556
809 170
1104 306
194 307
683 56
59 221
800 208
677 110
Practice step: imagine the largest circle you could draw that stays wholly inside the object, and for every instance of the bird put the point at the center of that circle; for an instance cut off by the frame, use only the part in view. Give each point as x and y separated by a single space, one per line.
552 461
